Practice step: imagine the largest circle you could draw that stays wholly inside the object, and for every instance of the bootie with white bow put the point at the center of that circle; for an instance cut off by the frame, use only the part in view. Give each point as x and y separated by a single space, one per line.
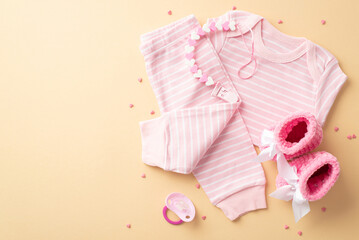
298 134
306 177
317 172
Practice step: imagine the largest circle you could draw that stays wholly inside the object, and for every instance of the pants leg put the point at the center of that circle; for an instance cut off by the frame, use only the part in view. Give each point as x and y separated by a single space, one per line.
228 176
179 139
198 133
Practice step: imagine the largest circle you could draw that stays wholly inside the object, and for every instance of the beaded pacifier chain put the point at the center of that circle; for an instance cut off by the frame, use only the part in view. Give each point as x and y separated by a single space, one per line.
196 36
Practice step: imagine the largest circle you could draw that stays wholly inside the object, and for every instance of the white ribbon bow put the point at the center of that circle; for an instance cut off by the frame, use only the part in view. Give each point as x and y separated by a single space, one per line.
288 192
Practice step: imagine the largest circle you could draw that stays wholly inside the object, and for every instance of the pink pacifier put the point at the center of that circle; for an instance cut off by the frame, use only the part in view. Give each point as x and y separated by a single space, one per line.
181 206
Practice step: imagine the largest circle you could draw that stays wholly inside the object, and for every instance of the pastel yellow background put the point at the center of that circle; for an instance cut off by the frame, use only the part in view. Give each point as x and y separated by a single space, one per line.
70 150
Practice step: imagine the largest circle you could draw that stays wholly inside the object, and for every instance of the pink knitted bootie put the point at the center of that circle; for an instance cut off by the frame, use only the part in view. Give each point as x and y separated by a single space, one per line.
297 134
317 173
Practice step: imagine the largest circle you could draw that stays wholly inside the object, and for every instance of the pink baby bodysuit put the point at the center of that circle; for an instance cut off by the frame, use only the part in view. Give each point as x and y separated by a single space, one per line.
211 138
293 74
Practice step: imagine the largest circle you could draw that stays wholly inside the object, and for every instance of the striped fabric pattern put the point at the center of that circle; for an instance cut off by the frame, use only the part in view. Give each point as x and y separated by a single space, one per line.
203 134
287 79
212 139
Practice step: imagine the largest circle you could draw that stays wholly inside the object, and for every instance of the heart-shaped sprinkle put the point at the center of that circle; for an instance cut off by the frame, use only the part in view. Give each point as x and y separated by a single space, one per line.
280 21
349 137
234 8
152 112
198 186
286 226
219 25
323 21
143 175
324 209
198 74
206 28
194 68
232 25
209 81
131 105
190 55
194 36
204 78
189 48
354 136
200 32
204 217
300 233
336 129
139 79
225 26
212 26
191 42
128 225
169 12
191 62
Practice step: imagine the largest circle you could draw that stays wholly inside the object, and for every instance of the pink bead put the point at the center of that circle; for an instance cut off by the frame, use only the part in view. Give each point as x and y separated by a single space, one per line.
198 186
349 137
152 112
336 129
191 42
323 21
169 12
131 105
204 78
190 55
200 32
354 136
280 21
143 175
128 225
286 226
225 26
234 8
194 68
139 79
204 217
324 209
212 26
300 233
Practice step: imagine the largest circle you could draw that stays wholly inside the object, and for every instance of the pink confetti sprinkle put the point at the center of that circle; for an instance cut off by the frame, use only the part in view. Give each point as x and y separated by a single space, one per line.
131 105
280 21
336 129
324 209
169 12
143 175
354 136
128 225
139 80
349 137
234 8
323 21
152 112
300 233
198 186
286 226
204 217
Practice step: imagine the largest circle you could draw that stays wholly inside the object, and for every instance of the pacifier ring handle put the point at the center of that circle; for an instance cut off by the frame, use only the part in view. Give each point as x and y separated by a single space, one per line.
164 211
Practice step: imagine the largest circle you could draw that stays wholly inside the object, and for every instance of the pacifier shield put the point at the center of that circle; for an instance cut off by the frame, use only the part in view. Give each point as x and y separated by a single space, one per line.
181 205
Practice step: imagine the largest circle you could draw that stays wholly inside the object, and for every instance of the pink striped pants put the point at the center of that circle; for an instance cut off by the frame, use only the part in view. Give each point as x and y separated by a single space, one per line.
198 133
